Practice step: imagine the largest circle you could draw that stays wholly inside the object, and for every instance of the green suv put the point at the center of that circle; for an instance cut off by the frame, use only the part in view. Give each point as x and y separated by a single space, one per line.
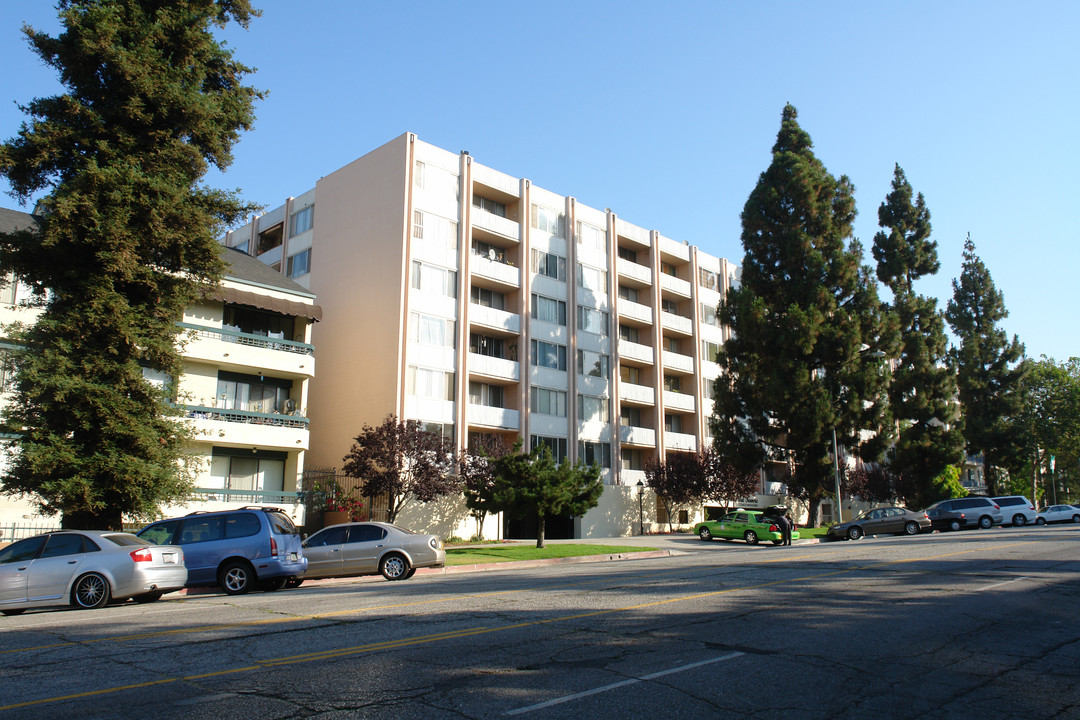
749 525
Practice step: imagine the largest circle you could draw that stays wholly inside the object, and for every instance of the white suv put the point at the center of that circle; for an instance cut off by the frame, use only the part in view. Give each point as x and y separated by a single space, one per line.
1016 510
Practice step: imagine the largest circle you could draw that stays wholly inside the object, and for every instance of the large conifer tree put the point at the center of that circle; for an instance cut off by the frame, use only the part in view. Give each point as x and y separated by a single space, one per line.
989 368
126 238
806 324
922 394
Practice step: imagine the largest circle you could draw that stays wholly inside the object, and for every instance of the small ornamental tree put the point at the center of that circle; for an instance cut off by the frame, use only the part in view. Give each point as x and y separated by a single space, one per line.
404 462
477 473
533 484
679 481
724 482
869 483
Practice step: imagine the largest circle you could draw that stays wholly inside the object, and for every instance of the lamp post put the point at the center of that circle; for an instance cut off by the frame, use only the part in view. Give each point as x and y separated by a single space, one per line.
836 476
641 507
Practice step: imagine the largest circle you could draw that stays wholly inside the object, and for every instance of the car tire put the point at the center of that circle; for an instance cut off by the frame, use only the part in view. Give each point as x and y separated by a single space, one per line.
236 577
1019 520
412 571
704 534
777 542
854 533
90 591
273 585
394 566
1040 521
1076 518
750 537
148 597
911 528
986 522
954 525
293 582
18 611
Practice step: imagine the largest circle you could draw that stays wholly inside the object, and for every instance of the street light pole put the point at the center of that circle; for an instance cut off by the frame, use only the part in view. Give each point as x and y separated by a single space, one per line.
836 477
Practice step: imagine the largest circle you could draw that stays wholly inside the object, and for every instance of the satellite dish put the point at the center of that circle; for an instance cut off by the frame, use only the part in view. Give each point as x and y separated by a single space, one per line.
289 405
491 253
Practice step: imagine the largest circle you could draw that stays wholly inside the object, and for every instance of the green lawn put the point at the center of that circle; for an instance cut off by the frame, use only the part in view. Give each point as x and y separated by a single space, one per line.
475 555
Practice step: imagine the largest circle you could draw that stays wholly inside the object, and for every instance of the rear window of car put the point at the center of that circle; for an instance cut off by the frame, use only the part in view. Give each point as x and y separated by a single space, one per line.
241 525
125 539
281 524
1009 501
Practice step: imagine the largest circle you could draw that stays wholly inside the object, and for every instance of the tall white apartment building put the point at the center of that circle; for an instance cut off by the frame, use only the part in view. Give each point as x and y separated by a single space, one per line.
478 303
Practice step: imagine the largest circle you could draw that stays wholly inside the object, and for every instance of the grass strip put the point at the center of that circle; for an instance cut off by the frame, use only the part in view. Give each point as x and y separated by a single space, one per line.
476 555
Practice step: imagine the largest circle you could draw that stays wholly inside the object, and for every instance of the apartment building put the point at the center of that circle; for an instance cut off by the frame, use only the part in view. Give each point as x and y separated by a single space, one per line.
481 304
248 362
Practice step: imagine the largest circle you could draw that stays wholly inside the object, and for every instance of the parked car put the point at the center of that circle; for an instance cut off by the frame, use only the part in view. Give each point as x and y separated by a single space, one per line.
977 511
879 521
942 519
1058 513
749 525
367 548
1016 510
86 569
237 550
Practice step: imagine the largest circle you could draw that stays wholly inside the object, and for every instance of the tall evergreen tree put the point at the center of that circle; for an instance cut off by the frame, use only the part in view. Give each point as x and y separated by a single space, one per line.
126 240
806 325
922 394
989 368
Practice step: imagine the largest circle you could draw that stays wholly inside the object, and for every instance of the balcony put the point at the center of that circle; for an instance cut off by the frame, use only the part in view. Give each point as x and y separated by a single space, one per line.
678 401
493 417
675 285
637 394
680 441
677 361
503 274
495 225
633 435
493 319
676 323
238 350
493 367
632 477
635 311
635 351
633 271
244 428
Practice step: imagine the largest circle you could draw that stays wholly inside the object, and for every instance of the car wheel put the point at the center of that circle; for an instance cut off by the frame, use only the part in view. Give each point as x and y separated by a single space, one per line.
1040 521
986 522
236 578
148 597
704 534
1019 520
293 582
854 533
751 537
394 567
777 542
911 528
20 611
1076 518
273 585
954 524
90 591
412 571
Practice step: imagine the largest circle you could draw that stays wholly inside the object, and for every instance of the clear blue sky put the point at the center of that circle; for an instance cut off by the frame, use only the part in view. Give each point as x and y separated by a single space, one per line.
666 112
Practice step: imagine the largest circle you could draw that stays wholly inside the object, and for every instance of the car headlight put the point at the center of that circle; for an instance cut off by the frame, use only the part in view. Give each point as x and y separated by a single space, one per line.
435 543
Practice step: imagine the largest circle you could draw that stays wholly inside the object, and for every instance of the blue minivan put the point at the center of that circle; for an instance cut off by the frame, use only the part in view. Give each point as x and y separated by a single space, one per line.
238 550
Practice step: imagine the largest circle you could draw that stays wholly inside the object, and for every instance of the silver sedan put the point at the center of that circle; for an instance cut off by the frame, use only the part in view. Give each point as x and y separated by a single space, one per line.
86 569
366 548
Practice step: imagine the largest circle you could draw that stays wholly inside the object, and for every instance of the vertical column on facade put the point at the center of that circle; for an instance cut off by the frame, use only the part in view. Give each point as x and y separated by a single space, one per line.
572 429
461 369
524 313
658 343
695 338
283 270
614 405
406 269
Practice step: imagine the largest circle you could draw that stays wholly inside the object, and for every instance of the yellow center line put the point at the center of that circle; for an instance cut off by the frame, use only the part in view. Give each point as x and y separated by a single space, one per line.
455 634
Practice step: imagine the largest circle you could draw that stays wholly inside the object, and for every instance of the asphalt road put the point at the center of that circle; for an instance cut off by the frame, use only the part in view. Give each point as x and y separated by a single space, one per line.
979 624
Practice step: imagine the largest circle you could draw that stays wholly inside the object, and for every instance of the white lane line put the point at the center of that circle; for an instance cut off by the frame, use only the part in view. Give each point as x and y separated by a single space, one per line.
997 585
623 683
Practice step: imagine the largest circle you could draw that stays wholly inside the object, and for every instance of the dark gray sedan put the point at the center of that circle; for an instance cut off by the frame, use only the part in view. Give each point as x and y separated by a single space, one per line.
367 548
881 521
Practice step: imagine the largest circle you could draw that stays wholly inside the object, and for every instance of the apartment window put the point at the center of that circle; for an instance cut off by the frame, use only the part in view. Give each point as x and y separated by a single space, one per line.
492 206
432 330
243 247
485 394
258 322
429 383
708 279
487 345
628 254
709 315
434 229
592 320
671 344
673 423
269 239
628 333
549 264
545 401
709 350
253 393
301 221
549 355
556 446
628 293
592 237
669 269
7 291
632 459
592 408
418 176
240 469
673 383
548 309
670 306
595 452
630 416
7 371
434 279
593 364
547 220
630 374
487 298
708 388
443 430
299 264
592 278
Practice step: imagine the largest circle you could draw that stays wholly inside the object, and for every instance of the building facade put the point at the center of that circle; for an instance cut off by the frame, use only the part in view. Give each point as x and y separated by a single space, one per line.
480 304
248 361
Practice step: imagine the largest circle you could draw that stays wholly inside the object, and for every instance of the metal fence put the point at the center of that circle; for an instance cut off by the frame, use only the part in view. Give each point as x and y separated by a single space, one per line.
320 484
11 533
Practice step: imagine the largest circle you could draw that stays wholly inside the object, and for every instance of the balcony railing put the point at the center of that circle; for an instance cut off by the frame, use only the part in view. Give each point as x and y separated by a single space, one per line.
233 336
269 497
246 416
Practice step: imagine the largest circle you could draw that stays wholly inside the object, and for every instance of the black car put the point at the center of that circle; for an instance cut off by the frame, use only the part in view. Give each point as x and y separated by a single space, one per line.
942 519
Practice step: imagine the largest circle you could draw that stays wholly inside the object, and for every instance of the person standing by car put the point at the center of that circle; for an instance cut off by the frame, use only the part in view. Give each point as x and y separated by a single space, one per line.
786 526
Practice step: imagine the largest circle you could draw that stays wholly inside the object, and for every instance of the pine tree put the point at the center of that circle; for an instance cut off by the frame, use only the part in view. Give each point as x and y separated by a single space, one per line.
126 240
990 370
922 394
806 322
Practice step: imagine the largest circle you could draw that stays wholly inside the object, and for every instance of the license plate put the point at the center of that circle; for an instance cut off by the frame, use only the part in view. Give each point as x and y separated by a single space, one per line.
292 557
169 558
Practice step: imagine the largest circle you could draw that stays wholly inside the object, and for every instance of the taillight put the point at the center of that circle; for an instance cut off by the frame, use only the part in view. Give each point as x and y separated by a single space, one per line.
773 528
141 555
996 506
273 546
